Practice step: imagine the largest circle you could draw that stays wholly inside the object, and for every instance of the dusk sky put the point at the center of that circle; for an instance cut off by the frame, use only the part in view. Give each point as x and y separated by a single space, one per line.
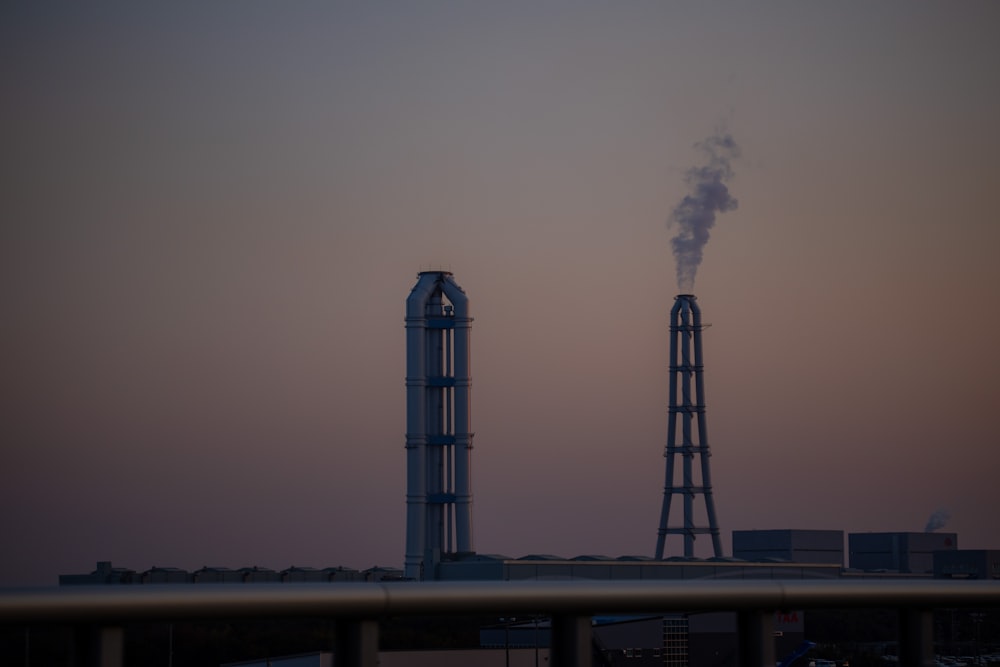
212 214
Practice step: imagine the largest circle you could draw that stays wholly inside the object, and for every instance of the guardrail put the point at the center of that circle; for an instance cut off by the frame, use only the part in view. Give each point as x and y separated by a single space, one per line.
99 612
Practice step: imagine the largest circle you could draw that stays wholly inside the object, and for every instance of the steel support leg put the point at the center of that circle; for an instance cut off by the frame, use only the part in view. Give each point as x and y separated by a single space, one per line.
98 646
756 638
571 641
356 643
916 637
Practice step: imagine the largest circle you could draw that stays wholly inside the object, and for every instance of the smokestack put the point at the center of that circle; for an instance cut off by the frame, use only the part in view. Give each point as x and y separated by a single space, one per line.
438 424
695 215
686 366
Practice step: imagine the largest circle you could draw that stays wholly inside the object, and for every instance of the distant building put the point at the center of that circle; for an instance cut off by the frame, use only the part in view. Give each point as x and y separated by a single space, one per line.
104 574
794 546
492 567
107 575
306 574
218 575
166 575
898 552
967 564
260 575
317 659
713 638
428 658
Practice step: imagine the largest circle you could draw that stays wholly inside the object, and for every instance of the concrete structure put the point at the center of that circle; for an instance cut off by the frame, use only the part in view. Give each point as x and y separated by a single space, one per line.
439 514
439 529
712 637
316 659
103 574
472 567
482 567
674 640
795 546
686 365
312 574
97 615
438 424
967 564
166 575
900 552
514 657
106 575
653 641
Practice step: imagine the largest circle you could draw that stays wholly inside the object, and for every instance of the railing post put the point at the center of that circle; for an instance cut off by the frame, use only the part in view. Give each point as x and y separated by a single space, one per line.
98 646
756 629
571 641
916 637
356 643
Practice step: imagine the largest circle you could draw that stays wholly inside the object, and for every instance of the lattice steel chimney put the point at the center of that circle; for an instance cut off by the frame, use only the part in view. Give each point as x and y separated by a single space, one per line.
685 333
438 424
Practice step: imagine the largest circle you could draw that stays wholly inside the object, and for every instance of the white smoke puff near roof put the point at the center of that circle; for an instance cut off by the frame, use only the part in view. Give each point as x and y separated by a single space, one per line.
937 520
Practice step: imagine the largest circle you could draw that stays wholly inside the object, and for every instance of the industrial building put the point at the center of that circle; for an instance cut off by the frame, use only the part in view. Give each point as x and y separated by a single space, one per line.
483 567
967 564
796 546
909 553
439 527
104 574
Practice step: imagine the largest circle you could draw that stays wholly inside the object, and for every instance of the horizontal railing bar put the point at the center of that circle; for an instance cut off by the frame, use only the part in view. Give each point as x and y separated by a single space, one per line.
372 600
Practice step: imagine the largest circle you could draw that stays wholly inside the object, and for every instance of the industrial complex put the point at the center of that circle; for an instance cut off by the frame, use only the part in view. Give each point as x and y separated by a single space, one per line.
439 520
439 542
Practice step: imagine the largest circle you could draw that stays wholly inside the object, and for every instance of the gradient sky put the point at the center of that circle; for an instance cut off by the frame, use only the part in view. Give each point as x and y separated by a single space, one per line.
212 216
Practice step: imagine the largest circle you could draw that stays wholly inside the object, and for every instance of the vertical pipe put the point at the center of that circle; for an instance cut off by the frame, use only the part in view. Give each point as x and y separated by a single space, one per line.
571 641
668 494
416 424
98 646
686 425
756 629
668 486
449 429
916 637
706 475
356 643
416 449
463 417
435 421
450 511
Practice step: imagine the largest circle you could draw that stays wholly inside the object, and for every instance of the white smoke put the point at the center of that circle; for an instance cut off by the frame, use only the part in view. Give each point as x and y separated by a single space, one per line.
937 520
695 215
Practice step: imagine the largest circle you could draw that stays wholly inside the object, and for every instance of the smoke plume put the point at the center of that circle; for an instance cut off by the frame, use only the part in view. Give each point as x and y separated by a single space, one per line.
937 520
695 215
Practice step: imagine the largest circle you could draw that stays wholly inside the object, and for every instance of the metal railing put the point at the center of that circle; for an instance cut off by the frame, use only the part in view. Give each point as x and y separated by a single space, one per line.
98 613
